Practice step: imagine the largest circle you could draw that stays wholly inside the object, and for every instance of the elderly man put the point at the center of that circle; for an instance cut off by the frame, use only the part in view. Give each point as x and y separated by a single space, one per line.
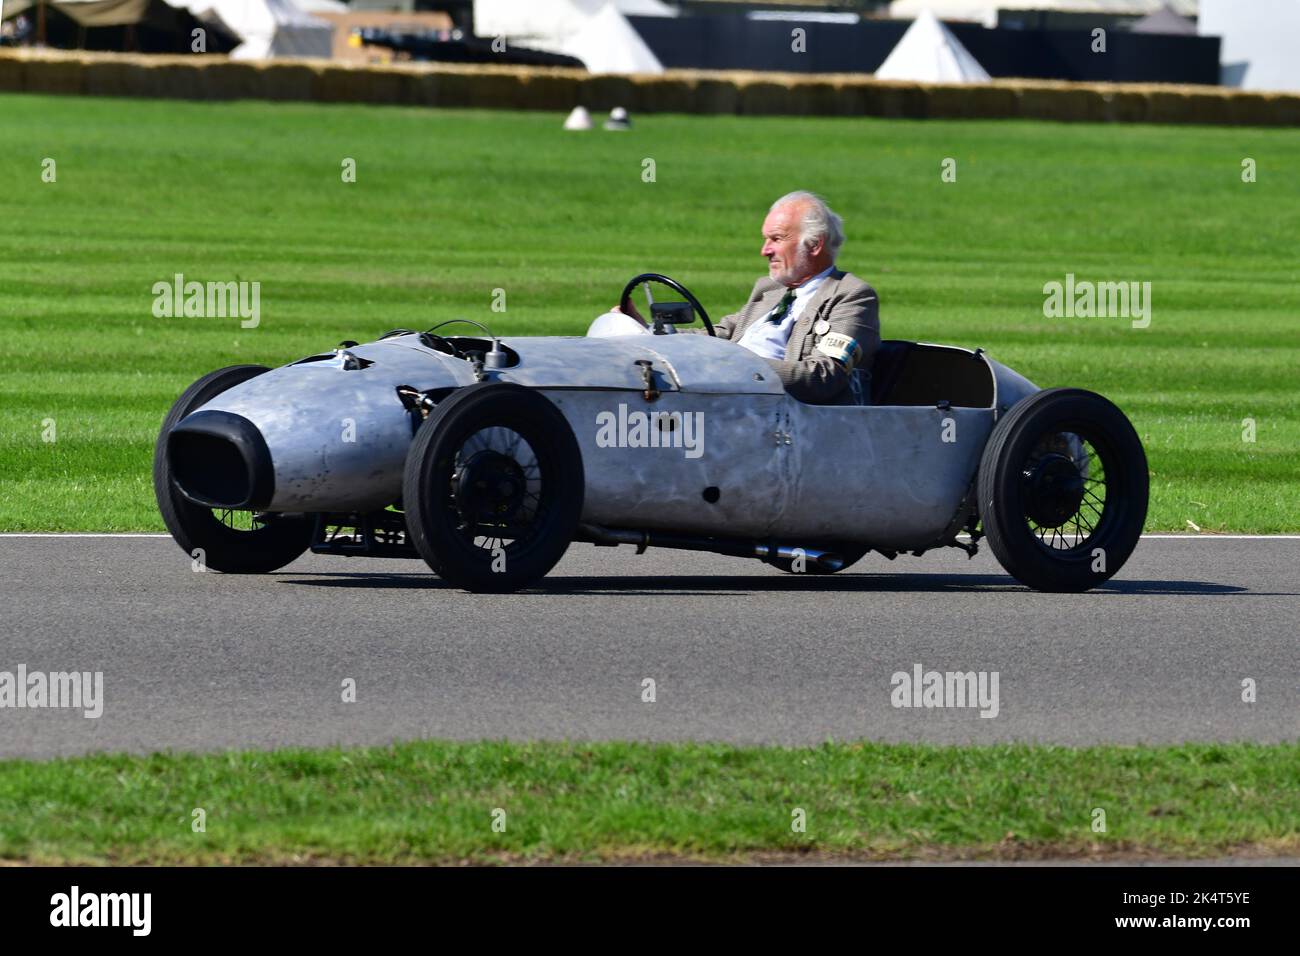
818 326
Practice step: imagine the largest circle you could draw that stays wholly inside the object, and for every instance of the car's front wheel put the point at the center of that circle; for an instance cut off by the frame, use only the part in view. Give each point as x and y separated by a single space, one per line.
493 487
236 542
1063 490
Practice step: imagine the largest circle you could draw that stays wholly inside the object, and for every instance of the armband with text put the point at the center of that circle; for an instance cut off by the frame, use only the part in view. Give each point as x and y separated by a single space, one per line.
841 347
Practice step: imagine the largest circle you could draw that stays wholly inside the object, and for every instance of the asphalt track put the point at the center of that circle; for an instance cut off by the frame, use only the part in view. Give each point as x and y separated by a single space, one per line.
739 652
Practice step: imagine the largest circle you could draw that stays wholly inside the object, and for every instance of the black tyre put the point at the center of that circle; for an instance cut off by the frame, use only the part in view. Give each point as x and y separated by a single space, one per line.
1063 490
851 555
236 542
493 487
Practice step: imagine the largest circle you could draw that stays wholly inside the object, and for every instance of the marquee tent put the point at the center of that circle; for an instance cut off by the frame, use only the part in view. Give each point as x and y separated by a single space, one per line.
595 31
266 28
929 53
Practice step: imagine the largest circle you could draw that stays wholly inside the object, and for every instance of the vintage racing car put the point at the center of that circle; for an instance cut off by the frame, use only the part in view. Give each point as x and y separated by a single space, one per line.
489 456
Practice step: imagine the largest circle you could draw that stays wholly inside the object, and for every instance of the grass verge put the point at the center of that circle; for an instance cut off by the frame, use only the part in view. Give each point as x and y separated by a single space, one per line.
434 802
450 205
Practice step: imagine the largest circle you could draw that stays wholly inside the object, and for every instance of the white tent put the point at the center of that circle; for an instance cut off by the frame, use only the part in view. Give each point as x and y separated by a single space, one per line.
594 31
87 13
1166 20
607 43
1258 49
929 53
266 27
645 8
269 28
986 11
543 19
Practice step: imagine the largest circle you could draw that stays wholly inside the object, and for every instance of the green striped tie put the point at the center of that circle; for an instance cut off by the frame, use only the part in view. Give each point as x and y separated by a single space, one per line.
782 308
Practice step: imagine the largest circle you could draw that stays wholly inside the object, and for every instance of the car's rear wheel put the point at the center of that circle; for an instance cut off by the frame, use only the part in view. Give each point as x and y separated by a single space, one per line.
493 487
236 542
1063 490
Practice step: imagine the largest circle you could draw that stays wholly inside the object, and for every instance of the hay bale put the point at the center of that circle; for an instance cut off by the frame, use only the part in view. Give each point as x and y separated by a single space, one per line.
423 88
382 86
1283 109
1170 106
604 92
1209 107
231 80
765 98
286 81
994 102
1248 109
328 84
123 76
453 88
1088 105
49 75
969 101
714 95
342 84
850 98
548 91
11 73
207 76
818 97
664 94
944 101
1124 105
498 90
893 100
110 78
1066 102
173 80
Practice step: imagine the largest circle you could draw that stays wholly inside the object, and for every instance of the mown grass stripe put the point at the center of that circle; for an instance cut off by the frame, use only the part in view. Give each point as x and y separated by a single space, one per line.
451 204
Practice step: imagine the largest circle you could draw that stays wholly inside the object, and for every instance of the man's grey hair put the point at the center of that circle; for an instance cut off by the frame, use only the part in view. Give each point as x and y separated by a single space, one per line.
819 220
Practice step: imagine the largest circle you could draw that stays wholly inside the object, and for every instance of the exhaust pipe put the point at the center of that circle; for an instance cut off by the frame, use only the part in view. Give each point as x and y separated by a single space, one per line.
826 560
595 534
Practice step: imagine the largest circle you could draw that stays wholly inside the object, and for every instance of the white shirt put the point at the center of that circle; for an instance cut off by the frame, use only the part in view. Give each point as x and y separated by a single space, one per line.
769 339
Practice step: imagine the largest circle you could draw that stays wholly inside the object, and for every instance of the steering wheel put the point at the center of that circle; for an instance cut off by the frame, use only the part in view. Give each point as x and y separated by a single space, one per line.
626 298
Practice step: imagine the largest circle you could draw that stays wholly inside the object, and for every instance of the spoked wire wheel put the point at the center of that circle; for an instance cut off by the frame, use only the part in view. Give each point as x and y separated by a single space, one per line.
1065 491
495 490
243 520
1062 490
236 542
493 487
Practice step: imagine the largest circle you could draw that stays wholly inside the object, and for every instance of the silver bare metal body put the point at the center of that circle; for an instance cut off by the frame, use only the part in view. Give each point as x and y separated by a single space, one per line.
888 476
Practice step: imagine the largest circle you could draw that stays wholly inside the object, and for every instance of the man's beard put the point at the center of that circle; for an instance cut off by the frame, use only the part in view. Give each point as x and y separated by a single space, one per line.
797 271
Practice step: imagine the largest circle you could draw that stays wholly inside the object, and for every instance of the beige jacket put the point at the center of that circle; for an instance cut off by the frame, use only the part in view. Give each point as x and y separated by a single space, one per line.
836 335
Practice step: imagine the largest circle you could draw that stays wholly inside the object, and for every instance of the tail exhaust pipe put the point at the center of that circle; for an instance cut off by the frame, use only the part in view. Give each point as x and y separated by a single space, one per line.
826 560
595 534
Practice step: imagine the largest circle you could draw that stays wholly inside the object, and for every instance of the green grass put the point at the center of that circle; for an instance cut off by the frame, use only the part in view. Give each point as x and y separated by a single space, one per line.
449 205
434 802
